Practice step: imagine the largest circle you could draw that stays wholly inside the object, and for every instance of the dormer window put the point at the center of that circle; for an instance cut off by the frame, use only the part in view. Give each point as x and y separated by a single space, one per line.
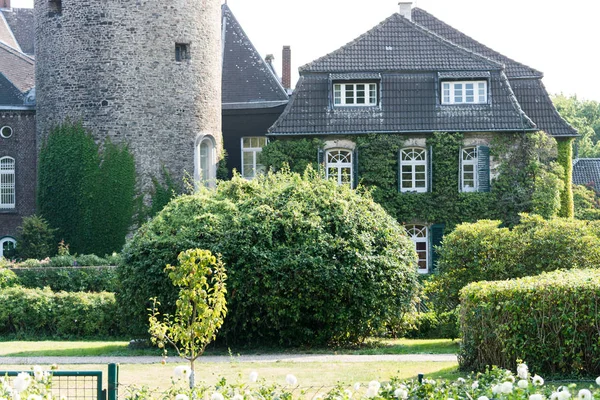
355 94
464 92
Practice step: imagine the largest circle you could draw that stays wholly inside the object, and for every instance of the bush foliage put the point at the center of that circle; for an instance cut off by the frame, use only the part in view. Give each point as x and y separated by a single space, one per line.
308 261
69 279
551 320
586 202
84 193
35 239
483 251
42 312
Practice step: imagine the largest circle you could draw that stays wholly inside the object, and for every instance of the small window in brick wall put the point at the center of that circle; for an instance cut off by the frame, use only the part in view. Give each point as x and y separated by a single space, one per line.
54 7
182 51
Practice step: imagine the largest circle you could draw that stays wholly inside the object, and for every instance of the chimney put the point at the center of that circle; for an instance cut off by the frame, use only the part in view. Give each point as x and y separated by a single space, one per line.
4 3
406 9
286 67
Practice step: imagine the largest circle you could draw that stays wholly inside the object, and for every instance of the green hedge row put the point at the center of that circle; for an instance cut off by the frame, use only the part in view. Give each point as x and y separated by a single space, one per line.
42 312
69 279
551 320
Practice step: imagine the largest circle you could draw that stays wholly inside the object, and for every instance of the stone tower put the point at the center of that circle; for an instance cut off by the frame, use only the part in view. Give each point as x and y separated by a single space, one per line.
143 72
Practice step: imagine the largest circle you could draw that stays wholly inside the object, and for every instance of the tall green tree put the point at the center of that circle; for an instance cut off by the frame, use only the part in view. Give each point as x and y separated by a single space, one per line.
584 115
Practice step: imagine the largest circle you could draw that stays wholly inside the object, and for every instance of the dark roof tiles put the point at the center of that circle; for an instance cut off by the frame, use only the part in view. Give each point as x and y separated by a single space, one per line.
9 94
586 171
21 23
17 68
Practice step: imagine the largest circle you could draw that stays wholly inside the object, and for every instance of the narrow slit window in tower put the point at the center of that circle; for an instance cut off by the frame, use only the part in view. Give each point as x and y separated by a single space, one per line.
182 51
55 7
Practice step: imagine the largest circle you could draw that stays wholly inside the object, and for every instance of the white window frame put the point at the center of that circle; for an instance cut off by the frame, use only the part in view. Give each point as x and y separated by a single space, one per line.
8 195
413 163
420 234
468 160
339 159
456 92
348 94
5 129
6 239
207 175
256 168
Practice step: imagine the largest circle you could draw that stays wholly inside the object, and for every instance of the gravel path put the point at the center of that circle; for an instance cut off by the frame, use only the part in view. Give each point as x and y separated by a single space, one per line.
226 359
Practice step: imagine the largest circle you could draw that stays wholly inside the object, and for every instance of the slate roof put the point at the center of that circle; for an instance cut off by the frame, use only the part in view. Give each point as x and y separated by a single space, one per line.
9 94
247 81
6 35
586 171
431 23
17 67
397 44
20 21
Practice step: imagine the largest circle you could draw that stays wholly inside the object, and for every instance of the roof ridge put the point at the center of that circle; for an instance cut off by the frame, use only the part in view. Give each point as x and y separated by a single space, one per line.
17 53
515 102
288 107
226 9
12 35
476 41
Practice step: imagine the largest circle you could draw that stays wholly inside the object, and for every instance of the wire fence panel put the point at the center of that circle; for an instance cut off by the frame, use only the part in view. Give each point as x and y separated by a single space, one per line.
71 385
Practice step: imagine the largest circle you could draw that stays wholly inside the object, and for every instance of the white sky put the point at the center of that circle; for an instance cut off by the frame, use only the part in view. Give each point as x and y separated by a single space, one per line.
558 38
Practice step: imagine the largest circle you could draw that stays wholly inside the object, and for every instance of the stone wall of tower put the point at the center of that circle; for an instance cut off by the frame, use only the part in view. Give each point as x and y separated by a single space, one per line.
111 64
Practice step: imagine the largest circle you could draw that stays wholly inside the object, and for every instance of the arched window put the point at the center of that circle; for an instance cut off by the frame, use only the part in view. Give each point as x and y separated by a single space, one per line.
206 170
469 169
413 170
7 183
338 166
7 247
418 234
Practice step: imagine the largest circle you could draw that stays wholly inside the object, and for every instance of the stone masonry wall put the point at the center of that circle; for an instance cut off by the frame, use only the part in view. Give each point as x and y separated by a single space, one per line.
111 65
20 146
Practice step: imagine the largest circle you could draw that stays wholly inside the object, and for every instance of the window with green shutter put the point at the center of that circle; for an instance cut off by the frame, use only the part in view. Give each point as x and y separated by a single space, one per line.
474 169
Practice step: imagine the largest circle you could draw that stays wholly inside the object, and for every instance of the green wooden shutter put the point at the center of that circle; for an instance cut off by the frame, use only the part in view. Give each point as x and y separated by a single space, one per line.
460 169
430 170
355 168
321 160
436 234
483 168
399 170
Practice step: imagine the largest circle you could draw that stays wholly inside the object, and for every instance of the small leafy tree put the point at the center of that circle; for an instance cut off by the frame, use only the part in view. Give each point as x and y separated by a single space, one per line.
200 309
36 238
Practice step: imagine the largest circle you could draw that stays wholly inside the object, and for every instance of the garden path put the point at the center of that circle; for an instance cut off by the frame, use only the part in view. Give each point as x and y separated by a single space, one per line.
239 358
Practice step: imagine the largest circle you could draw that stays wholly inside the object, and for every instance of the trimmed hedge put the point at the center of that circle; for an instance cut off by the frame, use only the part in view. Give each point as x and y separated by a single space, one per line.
551 320
483 251
42 312
69 279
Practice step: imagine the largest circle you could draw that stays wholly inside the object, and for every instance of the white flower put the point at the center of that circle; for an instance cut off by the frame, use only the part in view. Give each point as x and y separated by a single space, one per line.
483 398
563 393
237 397
21 382
375 384
401 393
348 393
450 398
554 396
373 389
506 387
318 396
523 384
598 381
182 396
537 380
291 380
522 371
475 385
217 396
536 396
253 376
357 386
496 389
34 397
460 381
38 373
584 394
182 372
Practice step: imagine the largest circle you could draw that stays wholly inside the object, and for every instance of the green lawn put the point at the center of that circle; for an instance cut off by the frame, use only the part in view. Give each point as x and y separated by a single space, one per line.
119 348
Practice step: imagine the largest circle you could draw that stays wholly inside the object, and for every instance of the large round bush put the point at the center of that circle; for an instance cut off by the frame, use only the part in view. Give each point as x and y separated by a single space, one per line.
307 261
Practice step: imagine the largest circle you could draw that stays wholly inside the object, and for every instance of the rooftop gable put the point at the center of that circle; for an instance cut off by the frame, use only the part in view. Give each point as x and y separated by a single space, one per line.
20 21
6 35
17 67
397 44
247 79
513 68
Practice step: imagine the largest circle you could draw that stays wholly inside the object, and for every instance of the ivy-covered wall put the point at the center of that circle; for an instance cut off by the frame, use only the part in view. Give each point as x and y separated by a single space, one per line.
565 159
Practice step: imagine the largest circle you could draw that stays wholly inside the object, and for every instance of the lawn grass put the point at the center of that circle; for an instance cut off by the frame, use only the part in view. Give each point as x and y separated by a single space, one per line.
119 348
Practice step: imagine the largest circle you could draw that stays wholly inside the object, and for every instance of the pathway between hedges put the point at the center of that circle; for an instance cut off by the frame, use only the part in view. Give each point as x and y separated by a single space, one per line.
228 359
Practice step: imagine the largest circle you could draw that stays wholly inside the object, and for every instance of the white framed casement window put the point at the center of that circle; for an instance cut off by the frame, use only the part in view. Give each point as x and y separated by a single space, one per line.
338 166
7 183
413 170
251 148
7 246
468 171
205 161
355 94
464 92
420 237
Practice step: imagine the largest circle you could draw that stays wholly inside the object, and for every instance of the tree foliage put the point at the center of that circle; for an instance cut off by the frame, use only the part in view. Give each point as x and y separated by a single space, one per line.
309 262
86 194
35 238
586 203
583 115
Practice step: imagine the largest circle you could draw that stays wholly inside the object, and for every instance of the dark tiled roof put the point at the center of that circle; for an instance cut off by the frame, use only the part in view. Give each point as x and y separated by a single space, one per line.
408 104
6 35
9 94
20 21
513 68
17 68
397 44
246 76
536 103
586 171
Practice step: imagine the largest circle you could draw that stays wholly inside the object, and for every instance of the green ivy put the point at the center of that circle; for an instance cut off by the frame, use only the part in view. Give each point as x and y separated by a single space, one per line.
565 158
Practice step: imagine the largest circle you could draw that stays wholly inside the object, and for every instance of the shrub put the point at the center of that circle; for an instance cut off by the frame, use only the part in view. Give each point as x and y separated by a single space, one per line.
42 312
429 325
587 204
551 320
69 279
308 261
35 238
483 251
7 278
